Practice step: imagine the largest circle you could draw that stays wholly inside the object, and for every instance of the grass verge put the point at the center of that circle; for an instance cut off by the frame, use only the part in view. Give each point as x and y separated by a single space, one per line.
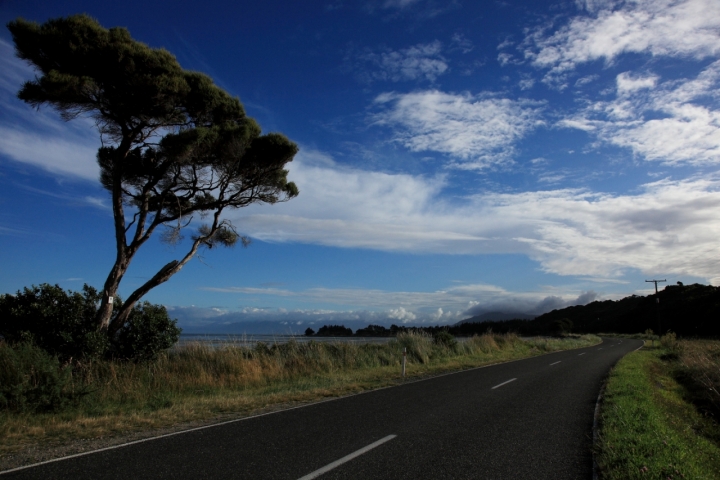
199 384
656 420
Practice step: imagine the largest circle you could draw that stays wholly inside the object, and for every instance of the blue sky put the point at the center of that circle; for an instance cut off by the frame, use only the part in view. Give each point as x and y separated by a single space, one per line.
456 157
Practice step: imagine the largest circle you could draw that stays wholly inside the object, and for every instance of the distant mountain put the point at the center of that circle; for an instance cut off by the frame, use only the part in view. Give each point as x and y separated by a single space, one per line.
496 317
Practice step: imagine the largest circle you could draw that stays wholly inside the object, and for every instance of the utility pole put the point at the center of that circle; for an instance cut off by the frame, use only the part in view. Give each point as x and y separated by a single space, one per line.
657 301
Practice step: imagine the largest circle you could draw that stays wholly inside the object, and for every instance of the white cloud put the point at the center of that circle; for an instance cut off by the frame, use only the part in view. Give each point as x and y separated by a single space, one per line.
505 58
462 42
585 80
443 306
676 122
14 72
477 131
49 143
526 83
68 157
421 61
685 28
627 83
402 315
595 5
668 226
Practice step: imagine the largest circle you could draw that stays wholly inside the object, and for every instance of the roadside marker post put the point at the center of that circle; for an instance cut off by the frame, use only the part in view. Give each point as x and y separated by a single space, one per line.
404 360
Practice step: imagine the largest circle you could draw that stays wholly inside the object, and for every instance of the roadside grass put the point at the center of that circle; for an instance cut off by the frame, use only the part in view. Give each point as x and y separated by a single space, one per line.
659 416
198 384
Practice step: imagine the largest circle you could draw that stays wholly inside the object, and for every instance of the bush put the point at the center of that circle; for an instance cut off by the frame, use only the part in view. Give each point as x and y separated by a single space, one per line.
147 332
445 339
669 341
62 324
562 326
31 379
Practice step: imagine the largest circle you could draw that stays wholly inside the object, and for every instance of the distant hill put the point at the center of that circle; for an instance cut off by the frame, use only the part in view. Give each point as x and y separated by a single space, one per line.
688 310
496 317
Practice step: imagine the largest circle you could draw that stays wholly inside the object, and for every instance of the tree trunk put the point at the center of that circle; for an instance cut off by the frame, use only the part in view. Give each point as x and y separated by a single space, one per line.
110 288
122 260
161 277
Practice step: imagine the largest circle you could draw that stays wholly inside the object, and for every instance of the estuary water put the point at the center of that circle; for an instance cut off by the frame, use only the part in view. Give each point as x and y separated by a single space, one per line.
224 340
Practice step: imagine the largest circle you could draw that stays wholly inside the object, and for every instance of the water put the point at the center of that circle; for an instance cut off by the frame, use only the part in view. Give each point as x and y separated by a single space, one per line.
249 341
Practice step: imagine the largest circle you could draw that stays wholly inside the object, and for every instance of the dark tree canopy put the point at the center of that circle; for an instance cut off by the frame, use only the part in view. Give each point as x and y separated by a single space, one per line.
174 145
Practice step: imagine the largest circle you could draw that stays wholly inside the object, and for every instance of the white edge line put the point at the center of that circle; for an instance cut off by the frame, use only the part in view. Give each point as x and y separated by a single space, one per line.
504 383
555 363
346 458
134 442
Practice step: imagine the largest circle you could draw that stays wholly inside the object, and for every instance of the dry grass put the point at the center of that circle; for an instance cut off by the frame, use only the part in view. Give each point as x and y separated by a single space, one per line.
699 362
198 383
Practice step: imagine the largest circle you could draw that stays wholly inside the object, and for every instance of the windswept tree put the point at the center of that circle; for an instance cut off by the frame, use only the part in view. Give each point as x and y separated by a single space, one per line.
175 147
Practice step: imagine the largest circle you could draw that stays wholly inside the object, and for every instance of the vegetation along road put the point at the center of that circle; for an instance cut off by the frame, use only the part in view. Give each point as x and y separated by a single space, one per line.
528 419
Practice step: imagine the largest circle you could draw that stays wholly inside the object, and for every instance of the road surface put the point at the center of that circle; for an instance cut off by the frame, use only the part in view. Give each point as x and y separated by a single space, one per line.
528 419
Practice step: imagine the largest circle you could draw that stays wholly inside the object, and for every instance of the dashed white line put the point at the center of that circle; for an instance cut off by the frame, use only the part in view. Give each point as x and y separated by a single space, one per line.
346 458
581 353
555 363
503 383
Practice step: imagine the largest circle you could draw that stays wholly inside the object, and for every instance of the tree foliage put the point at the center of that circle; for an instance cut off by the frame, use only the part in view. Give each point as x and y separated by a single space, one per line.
334 331
174 146
63 325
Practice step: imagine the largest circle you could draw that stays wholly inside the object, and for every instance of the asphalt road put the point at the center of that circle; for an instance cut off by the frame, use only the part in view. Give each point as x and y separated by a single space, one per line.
528 419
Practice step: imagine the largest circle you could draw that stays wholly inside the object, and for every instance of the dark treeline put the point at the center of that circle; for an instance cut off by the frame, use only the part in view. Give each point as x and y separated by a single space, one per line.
687 310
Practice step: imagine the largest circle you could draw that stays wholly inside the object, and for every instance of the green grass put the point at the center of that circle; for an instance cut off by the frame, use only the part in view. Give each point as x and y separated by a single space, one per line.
649 426
200 384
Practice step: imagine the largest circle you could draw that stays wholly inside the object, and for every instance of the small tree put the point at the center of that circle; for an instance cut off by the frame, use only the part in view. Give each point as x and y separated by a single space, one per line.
562 326
174 145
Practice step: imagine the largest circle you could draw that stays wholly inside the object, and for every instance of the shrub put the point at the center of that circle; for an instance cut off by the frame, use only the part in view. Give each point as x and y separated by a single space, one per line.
147 332
669 341
62 324
562 326
445 339
31 379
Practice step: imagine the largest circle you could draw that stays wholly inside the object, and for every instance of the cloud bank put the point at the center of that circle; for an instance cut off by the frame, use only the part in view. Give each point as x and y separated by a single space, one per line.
379 307
667 226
